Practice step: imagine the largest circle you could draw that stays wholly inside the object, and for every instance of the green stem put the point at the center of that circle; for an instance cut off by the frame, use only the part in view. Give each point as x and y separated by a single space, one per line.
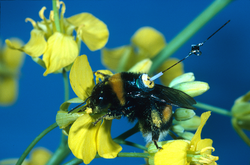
76 161
188 32
213 109
66 85
131 144
63 150
56 16
61 153
33 143
124 61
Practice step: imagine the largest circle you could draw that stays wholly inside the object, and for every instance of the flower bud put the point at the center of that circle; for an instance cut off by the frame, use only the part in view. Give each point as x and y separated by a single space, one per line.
241 111
182 78
177 129
193 88
186 135
191 124
182 114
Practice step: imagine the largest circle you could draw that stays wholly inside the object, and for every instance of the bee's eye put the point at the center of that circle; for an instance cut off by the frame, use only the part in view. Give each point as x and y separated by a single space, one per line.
146 81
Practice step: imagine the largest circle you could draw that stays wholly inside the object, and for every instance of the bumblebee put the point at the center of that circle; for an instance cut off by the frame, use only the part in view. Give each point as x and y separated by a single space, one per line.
135 96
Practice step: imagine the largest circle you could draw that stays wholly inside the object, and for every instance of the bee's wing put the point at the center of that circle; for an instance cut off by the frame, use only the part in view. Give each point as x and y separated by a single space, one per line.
173 96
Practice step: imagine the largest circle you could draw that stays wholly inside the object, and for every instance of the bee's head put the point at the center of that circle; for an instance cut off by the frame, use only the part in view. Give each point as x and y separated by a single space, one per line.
143 82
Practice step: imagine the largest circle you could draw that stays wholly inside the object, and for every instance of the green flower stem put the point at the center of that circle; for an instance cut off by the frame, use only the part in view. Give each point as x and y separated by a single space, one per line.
128 133
124 61
33 143
213 109
56 16
240 131
76 161
66 85
63 150
61 153
131 144
188 32
133 155
121 138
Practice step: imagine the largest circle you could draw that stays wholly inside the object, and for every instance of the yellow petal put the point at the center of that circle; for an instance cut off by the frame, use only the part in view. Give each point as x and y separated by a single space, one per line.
106 147
197 135
172 73
149 40
173 153
82 138
203 144
111 57
13 58
36 45
142 66
62 50
39 156
9 89
93 31
81 77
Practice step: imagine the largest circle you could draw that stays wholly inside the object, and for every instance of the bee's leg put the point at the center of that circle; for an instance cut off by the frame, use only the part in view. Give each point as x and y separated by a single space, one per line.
78 105
155 136
109 116
99 119
155 142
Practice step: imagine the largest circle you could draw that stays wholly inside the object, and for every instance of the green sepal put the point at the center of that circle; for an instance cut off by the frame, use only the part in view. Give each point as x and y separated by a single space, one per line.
64 119
64 106
39 62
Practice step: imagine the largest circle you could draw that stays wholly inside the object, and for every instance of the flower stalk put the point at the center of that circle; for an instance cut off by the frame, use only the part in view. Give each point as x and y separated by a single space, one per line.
214 109
33 143
56 15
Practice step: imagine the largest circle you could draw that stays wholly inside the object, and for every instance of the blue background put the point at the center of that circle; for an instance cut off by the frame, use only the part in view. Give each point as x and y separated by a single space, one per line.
224 65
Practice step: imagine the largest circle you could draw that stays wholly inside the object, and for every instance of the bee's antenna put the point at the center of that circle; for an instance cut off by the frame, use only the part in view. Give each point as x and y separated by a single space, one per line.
195 49
78 106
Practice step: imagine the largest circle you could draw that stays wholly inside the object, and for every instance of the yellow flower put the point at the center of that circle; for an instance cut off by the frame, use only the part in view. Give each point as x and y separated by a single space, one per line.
85 139
59 48
39 156
185 152
10 63
145 43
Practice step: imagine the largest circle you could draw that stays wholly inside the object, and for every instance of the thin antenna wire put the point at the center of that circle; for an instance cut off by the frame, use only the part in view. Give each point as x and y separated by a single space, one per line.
195 49
216 31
